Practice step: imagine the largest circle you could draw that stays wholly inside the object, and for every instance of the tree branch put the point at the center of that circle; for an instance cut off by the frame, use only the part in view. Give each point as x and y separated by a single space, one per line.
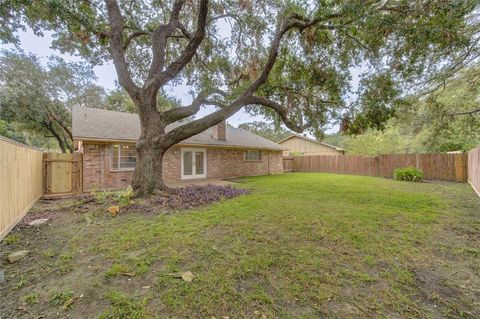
280 110
116 47
159 40
471 112
291 22
158 77
197 126
179 113
133 36
60 142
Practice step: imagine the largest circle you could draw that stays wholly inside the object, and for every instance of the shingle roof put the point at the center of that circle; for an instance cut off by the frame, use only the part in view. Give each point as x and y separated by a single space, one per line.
311 140
99 124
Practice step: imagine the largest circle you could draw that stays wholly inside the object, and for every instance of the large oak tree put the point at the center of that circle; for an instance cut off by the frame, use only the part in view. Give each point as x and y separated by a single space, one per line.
288 59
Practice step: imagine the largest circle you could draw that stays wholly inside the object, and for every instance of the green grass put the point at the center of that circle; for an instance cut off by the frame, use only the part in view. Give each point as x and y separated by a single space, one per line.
124 307
301 245
298 246
65 299
31 298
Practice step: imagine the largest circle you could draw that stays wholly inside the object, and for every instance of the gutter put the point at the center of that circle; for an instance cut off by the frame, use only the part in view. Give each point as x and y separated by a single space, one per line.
89 139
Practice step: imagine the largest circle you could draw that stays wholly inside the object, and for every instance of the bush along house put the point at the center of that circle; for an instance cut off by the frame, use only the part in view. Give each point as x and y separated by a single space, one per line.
107 140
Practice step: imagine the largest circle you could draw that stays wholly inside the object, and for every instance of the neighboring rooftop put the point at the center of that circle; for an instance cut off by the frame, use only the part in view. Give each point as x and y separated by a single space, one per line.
104 125
311 140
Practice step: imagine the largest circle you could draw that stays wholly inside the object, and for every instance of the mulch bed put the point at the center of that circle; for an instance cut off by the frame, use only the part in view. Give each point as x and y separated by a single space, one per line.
185 198
170 200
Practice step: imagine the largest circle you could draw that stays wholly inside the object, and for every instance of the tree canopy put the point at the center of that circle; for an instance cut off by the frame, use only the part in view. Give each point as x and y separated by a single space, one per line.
267 130
230 42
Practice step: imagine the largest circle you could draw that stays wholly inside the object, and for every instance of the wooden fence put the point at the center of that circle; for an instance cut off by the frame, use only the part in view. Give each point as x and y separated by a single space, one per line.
441 166
62 174
21 182
474 169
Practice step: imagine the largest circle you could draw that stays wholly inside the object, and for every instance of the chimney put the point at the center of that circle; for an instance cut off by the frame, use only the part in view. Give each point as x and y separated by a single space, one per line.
219 131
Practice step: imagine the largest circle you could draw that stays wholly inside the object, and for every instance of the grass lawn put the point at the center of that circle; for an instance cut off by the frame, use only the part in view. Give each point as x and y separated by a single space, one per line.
300 245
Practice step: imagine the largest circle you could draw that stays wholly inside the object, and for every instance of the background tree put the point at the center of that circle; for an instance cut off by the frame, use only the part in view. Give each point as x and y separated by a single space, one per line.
7 129
268 130
448 119
30 97
294 67
36 100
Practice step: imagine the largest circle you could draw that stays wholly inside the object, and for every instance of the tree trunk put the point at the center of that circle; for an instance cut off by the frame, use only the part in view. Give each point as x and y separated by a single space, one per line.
60 142
147 177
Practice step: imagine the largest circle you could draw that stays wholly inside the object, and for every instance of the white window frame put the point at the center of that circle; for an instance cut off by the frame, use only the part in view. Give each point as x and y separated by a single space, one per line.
119 169
252 160
194 176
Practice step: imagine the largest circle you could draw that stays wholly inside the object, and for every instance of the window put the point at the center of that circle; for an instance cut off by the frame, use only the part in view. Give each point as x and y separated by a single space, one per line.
253 155
193 163
123 157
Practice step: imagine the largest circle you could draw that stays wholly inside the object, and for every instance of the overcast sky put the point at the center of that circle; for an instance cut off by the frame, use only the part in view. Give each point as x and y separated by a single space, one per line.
107 77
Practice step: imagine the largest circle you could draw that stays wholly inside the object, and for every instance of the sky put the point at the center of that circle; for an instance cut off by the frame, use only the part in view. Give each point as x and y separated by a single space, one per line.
106 75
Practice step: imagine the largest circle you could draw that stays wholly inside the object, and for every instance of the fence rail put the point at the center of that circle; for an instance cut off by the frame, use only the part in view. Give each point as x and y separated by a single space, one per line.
474 169
438 166
21 182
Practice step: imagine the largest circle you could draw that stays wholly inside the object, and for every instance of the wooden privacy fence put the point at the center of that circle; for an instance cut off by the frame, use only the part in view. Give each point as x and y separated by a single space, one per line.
26 174
474 169
21 182
439 166
62 174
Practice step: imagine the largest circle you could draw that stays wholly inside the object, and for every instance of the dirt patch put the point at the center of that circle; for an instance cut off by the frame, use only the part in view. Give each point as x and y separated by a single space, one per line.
445 295
60 254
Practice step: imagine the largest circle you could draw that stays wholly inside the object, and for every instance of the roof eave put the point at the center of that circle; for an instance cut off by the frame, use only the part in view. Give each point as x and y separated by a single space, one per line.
312 140
109 140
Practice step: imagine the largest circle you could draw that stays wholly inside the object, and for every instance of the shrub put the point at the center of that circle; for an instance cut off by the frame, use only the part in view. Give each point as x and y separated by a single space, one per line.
125 197
410 174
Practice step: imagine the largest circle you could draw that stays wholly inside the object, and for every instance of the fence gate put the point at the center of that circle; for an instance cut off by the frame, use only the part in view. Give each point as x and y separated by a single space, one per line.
62 174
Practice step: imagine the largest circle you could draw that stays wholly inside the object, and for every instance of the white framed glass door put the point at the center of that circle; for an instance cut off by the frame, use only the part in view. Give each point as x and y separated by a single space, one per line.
194 163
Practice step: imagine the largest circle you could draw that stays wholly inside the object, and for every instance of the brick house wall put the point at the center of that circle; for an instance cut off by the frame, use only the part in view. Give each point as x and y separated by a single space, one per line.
221 163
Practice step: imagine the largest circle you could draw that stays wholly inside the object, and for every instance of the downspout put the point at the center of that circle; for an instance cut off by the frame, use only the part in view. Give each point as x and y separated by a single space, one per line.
101 163
268 162
99 166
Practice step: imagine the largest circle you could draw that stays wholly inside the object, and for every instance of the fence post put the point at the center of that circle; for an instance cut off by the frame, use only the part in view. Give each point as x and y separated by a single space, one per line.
376 160
417 161
459 168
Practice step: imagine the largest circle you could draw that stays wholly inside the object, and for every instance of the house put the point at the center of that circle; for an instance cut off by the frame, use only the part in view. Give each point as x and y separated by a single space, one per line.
107 140
301 145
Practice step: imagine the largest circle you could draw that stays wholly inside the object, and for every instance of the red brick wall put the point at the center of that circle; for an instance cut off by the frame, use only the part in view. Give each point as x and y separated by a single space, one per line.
221 163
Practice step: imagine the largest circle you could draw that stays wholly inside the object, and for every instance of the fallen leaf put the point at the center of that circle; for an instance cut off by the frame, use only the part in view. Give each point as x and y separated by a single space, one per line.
187 276
113 209
128 274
